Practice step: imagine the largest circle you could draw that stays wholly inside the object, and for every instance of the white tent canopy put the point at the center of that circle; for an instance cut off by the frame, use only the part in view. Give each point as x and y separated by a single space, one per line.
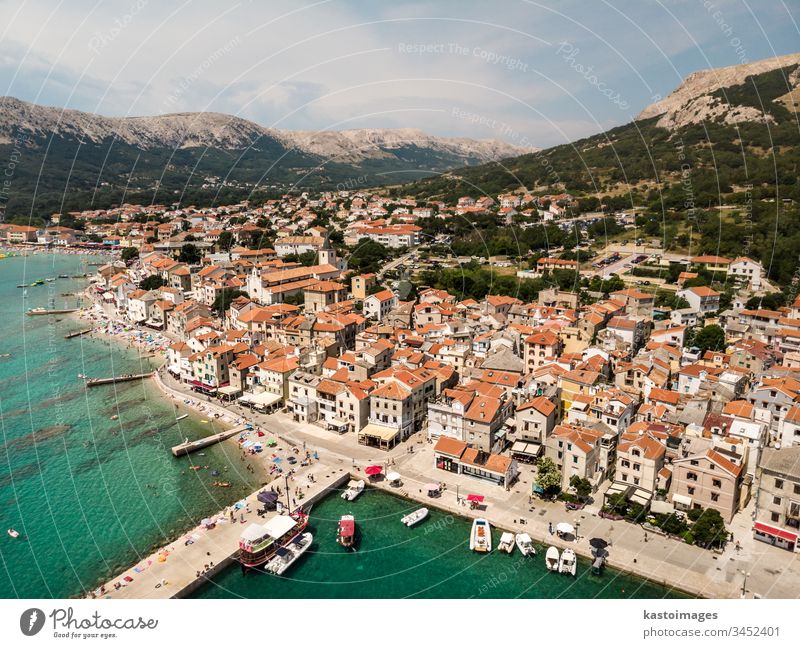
565 527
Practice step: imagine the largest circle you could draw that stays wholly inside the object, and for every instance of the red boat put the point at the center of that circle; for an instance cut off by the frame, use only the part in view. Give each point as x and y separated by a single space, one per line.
347 531
259 542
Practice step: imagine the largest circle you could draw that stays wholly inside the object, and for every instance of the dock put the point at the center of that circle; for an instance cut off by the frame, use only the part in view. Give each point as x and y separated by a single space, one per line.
193 446
69 336
96 382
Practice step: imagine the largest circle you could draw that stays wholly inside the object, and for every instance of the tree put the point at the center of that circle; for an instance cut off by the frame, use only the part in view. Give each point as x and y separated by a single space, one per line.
190 254
224 299
617 503
130 253
368 256
225 241
582 486
709 529
152 282
548 477
710 338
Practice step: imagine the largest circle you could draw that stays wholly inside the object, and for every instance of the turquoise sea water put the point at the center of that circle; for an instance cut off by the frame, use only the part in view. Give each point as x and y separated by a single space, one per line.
89 495
430 560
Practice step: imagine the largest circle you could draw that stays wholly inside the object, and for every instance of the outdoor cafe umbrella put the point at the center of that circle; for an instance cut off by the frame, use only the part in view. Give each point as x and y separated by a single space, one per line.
393 476
475 498
431 487
565 527
267 497
598 543
372 471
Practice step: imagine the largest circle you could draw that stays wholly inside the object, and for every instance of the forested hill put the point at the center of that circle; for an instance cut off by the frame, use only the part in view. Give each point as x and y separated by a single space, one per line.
716 144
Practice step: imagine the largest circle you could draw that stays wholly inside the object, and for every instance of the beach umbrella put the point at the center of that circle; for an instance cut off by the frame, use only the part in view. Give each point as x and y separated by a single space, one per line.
372 471
393 476
272 442
267 497
598 543
277 460
475 498
565 527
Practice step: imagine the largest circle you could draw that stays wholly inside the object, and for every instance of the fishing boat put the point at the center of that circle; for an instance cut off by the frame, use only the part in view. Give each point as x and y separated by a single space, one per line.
551 559
346 533
506 542
354 489
568 563
480 538
13 533
180 418
222 484
286 556
63 276
259 542
525 544
412 518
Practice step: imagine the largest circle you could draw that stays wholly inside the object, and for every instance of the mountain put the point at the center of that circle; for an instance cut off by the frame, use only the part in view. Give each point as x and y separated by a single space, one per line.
725 137
71 157
720 130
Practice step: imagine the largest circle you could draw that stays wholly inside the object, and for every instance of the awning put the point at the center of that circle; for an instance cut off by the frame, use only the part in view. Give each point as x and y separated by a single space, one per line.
261 399
279 525
660 506
229 390
684 500
641 496
475 498
526 448
393 476
381 432
775 531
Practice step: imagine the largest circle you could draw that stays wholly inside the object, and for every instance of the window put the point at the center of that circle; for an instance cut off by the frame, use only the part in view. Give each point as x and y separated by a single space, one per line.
694 462
690 490
715 497
691 476
778 483
716 483
775 517
776 500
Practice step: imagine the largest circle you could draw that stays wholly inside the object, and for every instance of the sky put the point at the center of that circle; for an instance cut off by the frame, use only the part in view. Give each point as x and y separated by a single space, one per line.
529 73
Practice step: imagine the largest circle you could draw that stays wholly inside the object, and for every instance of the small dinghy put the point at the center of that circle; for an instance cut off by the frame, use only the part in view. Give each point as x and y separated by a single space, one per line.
506 542
480 539
568 562
412 518
551 559
13 533
525 544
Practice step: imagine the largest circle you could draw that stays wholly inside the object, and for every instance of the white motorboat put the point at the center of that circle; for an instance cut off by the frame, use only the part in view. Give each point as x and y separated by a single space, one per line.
354 489
480 538
568 564
286 556
525 544
412 518
13 533
551 559
506 542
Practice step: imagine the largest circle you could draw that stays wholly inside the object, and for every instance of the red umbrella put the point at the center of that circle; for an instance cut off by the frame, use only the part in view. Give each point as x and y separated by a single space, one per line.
475 498
373 470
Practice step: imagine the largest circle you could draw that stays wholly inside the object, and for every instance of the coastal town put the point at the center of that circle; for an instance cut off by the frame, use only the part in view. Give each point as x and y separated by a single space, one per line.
643 393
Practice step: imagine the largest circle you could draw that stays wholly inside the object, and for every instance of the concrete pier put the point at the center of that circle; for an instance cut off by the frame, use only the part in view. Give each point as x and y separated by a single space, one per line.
176 575
75 334
96 382
193 446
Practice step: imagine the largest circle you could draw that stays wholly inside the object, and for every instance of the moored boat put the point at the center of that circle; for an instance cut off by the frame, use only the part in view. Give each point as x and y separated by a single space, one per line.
354 489
506 542
551 558
525 544
259 542
567 564
480 538
287 555
346 532
13 533
412 518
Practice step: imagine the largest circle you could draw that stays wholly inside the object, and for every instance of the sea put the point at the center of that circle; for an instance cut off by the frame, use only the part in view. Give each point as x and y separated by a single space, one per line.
89 494
92 494
429 560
